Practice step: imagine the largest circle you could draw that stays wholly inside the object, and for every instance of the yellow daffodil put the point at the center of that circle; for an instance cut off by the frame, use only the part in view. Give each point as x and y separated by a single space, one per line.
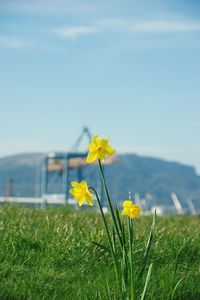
130 209
99 149
81 193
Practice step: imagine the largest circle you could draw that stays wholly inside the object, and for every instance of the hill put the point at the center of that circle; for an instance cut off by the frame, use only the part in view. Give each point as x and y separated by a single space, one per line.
138 174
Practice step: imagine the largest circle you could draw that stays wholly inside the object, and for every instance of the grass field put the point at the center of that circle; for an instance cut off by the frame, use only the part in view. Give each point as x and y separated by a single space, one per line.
49 254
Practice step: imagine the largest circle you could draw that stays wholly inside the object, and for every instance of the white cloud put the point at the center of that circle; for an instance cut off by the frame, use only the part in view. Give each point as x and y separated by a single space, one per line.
149 26
14 42
168 26
130 27
75 31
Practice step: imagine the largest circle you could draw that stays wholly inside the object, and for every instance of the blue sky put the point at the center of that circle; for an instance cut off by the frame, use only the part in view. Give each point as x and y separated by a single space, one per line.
128 70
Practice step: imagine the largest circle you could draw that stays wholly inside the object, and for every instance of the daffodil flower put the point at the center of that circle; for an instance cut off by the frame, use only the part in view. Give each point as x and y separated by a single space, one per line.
99 149
130 209
81 193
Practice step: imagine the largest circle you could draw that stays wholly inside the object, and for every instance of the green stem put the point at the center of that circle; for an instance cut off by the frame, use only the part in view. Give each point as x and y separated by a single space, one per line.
107 231
130 233
110 204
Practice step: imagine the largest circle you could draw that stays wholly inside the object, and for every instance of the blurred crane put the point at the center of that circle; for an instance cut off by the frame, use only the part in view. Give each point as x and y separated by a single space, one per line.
191 207
177 203
56 167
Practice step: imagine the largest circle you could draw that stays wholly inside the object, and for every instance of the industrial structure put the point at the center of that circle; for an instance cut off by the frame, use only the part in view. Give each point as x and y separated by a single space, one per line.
57 166
56 172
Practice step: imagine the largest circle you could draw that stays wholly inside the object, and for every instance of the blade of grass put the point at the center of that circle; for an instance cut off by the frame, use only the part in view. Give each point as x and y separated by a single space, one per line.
109 292
148 246
102 247
176 266
175 288
146 282
124 274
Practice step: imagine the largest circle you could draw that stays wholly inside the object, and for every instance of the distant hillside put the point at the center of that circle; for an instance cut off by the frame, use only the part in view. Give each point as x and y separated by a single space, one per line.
132 173
24 169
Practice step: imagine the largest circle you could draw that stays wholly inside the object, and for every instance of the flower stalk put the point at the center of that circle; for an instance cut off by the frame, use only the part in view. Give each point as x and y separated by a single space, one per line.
130 235
109 203
112 250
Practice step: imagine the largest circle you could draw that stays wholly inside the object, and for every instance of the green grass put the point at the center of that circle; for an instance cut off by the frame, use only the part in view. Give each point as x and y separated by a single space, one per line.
48 254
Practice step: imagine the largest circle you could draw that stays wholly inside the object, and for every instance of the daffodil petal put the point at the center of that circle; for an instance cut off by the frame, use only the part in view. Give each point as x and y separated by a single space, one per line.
91 157
71 191
110 150
90 202
96 140
127 204
75 184
135 211
123 213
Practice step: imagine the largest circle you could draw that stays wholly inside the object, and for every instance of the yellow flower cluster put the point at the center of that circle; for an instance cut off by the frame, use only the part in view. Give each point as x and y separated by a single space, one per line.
130 209
99 149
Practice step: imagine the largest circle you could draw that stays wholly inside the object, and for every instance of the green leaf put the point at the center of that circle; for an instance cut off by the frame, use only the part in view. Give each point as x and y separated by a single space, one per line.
113 239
